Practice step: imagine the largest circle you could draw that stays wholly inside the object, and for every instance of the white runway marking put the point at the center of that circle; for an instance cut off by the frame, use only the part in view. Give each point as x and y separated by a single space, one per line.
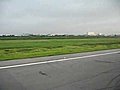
59 60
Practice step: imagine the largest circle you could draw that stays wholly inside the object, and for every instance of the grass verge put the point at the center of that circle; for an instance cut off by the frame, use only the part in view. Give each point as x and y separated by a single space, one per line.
19 49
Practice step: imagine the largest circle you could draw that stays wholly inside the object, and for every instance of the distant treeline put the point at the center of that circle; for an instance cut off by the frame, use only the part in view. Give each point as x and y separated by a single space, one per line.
37 37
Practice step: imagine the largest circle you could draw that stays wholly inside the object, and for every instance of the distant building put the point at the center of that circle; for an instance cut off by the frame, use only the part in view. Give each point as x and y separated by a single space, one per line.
92 34
51 34
101 34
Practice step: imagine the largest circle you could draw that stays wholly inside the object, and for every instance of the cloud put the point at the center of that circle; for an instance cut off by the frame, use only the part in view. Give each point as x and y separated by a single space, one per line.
42 16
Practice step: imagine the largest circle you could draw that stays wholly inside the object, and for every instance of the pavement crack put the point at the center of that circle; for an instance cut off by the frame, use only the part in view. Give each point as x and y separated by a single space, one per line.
113 79
83 80
104 61
109 88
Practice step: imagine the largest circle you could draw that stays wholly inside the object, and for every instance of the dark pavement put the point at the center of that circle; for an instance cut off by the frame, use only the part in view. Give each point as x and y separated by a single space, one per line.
100 72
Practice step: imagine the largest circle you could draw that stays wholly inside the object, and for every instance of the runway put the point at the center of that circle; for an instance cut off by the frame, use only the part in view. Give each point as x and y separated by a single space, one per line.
99 70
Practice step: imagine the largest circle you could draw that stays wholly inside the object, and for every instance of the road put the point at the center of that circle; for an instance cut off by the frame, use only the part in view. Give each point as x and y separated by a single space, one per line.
99 70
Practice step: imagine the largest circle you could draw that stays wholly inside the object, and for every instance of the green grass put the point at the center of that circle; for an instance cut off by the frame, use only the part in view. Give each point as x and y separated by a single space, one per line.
17 49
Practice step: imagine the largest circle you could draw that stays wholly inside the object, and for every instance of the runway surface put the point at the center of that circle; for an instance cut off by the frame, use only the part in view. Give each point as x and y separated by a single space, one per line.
99 70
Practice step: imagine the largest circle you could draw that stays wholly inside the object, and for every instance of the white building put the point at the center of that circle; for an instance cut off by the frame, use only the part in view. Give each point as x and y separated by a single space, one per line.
92 34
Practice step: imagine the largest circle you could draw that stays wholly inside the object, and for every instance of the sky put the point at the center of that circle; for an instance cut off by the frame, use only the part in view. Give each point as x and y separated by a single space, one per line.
59 16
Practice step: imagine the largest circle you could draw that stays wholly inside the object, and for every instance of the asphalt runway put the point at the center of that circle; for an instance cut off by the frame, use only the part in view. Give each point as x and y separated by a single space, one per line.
99 70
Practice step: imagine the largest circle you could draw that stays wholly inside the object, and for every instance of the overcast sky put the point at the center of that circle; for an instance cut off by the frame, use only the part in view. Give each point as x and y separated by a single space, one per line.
59 16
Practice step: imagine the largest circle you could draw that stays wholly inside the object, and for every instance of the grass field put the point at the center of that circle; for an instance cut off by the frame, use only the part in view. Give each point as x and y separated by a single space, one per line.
16 49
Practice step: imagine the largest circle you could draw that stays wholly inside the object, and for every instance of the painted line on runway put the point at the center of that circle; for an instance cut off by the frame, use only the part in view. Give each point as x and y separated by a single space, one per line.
59 60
